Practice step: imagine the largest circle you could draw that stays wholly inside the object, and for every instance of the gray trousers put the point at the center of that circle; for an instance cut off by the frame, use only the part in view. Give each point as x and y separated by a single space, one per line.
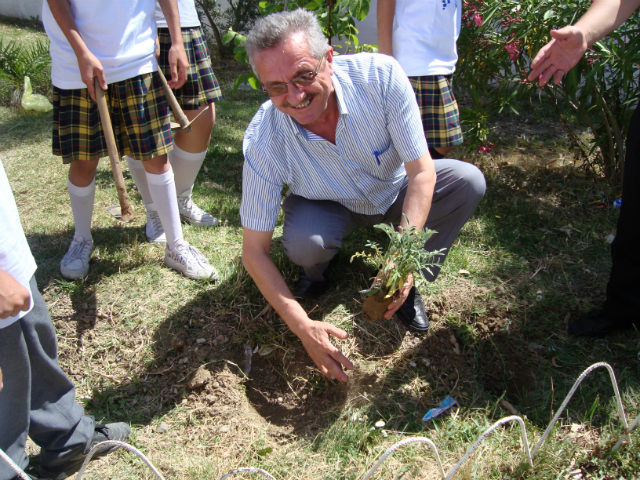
314 229
38 398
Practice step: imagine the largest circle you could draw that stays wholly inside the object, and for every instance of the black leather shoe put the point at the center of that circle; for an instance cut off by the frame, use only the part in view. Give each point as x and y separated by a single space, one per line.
307 288
412 312
598 322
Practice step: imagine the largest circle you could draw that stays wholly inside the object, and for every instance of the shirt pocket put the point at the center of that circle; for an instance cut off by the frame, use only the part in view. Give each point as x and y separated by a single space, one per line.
385 162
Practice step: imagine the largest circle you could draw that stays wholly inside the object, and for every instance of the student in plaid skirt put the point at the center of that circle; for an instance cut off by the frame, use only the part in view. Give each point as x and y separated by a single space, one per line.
422 36
115 42
200 91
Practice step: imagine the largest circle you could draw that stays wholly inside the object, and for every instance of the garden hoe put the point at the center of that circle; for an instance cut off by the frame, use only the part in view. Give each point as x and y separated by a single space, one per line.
125 211
183 122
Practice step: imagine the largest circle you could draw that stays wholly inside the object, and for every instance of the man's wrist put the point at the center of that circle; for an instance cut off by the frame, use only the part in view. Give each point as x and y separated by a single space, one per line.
300 325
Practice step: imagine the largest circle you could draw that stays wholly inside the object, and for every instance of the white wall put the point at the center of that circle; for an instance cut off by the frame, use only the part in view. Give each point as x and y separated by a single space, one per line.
21 8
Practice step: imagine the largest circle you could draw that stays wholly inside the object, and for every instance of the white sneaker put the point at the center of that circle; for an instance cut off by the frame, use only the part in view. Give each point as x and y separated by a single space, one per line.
193 214
153 229
75 264
188 260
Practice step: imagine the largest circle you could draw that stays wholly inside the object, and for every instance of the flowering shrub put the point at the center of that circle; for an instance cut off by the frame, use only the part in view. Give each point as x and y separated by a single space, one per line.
497 43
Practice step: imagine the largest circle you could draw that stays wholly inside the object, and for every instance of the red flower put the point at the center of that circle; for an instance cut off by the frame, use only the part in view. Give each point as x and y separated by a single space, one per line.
486 148
478 19
512 48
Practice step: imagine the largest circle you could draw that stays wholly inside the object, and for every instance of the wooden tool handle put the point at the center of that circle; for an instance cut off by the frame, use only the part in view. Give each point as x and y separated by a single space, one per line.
126 211
179 115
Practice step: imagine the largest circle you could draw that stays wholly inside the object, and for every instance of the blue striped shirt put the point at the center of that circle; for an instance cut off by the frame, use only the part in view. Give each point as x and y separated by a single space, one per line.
379 128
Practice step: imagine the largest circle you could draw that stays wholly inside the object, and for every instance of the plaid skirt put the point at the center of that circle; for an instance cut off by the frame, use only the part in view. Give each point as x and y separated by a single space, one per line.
438 109
139 115
201 87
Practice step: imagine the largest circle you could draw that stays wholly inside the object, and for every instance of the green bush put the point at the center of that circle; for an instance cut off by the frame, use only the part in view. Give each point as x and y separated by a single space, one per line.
239 17
497 43
18 61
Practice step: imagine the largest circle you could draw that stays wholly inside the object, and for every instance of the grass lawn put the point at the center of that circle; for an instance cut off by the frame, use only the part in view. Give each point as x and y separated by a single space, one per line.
147 346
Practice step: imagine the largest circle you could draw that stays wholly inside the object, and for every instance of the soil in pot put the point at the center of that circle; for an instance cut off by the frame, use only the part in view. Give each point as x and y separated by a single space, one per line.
375 306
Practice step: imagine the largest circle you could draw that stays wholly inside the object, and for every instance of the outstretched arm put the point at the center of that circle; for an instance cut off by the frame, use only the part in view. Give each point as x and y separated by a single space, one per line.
313 334
89 65
386 12
178 62
569 43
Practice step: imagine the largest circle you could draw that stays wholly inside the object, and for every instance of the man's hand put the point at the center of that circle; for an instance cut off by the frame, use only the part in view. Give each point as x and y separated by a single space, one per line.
559 55
14 298
327 357
402 295
91 67
179 64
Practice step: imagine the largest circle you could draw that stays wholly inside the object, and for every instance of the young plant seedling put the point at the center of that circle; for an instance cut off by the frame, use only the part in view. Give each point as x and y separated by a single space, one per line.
404 256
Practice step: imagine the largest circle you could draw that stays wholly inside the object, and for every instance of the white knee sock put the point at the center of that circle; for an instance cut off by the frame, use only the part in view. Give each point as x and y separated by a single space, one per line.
163 193
186 167
140 178
82 199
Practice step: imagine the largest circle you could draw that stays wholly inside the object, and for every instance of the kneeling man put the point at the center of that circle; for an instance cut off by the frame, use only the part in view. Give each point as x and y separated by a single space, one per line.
344 134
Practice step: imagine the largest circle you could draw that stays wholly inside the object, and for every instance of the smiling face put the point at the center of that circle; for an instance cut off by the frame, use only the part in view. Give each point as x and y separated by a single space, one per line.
308 105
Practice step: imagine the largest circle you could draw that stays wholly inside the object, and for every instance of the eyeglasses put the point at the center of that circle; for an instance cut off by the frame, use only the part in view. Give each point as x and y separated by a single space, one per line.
303 80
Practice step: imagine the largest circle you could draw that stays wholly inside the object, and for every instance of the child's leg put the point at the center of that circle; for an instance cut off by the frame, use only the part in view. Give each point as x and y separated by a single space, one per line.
153 229
191 149
200 90
162 189
82 188
76 128
187 156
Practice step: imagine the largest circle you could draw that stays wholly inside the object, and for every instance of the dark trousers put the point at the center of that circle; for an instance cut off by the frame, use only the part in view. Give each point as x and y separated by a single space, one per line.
38 398
314 229
623 289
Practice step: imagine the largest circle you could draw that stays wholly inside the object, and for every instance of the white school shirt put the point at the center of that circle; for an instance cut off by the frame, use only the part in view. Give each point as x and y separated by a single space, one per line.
379 128
15 254
188 14
424 36
120 33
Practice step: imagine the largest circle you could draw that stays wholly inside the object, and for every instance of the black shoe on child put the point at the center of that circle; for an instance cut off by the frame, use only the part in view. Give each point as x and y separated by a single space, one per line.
600 321
412 312
66 467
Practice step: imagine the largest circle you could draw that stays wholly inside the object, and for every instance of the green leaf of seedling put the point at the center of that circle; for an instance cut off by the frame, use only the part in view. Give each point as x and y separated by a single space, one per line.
265 451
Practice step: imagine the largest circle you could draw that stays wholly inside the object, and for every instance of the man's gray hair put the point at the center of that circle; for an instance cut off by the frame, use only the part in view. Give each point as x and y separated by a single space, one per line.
277 27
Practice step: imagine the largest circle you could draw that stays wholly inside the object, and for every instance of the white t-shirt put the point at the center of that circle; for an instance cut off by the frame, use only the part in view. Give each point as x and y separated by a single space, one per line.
424 36
15 254
188 14
120 33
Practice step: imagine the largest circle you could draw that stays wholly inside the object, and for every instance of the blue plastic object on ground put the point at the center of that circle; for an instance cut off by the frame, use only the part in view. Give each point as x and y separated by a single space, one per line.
446 404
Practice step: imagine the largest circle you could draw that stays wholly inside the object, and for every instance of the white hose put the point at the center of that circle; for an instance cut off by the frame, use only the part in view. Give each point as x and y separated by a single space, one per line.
528 455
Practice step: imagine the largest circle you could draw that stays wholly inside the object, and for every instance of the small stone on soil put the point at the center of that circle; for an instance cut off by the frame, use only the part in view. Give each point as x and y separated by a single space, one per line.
162 428
199 378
